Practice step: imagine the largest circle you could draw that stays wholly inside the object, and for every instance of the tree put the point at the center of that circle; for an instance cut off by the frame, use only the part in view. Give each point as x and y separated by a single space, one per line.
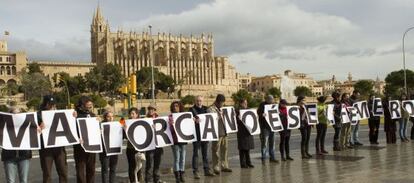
275 92
162 82
76 85
243 94
34 68
35 85
302 91
34 103
395 83
188 99
107 78
365 87
98 102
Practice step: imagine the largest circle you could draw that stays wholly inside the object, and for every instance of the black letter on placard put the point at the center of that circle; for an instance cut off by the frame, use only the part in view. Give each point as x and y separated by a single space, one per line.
16 139
254 116
409 103
209 127
377 104
66 132
106 136
394 109
294 117
148 130
274 117
230 118
312 113
161 132
363 110
85 137
177 126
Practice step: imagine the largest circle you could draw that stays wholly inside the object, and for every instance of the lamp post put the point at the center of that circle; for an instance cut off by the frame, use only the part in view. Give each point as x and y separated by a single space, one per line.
403 49
152 65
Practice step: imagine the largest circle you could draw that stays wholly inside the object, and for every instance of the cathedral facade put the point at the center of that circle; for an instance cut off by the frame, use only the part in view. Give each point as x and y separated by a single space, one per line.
189 60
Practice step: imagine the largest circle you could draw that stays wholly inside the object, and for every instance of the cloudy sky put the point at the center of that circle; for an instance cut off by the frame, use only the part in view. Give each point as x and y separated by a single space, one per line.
319 37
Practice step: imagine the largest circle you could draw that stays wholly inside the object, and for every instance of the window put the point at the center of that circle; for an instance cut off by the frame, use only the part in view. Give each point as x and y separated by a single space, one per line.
8 59
1 59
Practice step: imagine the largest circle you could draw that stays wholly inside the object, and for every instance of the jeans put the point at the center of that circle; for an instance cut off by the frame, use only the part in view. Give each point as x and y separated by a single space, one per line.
134 165
179 157
108 162
153 157
267 139
204 148
320 137
57 155
85 165
354 134
13 168
403 128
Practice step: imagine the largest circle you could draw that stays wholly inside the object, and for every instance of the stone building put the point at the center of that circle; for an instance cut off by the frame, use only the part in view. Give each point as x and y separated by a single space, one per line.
244 81
264 83
10 64
50 68
189 60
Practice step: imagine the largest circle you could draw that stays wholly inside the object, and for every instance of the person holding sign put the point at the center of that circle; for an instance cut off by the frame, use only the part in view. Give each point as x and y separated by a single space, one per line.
198 145
245 141
219 148
337 118
354 140
179 148
389 123
373 122
134 157
405 116
267 136
55 154
321 126
285 133
305 128
346 126
16 162
153 157
84 162
108 162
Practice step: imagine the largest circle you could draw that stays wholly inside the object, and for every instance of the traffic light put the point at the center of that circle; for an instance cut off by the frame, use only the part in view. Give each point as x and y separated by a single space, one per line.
133 84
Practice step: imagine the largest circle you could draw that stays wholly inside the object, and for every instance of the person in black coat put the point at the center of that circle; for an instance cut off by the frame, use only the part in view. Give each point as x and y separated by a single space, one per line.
373 122
285 133
305 128
245 140
390 127
337 118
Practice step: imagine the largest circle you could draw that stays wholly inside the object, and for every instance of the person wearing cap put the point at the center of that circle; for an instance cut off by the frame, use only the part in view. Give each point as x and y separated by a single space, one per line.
337 118
305 128
285 133
108 162
54 154
267 136
198 145
84 161
153 157
219 148
16 162
321 126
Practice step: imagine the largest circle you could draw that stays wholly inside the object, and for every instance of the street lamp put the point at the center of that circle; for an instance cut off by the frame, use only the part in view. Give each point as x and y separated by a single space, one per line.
405 70
152 65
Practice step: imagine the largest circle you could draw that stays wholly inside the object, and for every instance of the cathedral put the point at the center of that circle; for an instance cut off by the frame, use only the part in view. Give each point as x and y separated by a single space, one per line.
189 60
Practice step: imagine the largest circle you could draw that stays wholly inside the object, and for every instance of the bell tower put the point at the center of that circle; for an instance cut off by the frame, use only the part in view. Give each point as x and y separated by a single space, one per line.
99 33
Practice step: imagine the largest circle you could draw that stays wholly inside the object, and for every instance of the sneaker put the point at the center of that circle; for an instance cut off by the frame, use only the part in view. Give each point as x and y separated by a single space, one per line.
196 176
217 172
208 173
227 170
274 161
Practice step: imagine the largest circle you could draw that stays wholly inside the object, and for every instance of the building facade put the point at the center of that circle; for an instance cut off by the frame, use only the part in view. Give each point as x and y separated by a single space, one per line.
51 68
10 64
188 60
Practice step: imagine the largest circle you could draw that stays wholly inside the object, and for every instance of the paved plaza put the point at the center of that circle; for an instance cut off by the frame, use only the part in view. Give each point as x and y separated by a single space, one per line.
381 163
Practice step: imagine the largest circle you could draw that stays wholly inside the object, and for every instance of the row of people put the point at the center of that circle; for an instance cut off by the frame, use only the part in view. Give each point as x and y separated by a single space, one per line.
345 137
